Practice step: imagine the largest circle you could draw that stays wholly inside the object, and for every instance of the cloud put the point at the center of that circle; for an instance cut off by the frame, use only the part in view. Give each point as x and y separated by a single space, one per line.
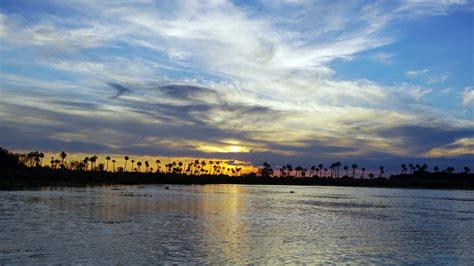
204 73
468 96
416 73
384 58
120 89
462 146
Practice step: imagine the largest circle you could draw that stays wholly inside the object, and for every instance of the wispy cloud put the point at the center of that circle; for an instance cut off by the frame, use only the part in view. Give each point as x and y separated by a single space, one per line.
468 96
205 72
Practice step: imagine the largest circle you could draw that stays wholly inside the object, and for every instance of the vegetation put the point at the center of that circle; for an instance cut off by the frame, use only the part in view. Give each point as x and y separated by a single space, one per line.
20 170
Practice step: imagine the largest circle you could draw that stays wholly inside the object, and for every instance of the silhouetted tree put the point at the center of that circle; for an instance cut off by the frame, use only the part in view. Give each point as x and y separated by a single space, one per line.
363 171
132 161
63 156
337 165
93 160
290 169
139 164
157 165
354 168
113 165
404 169
467 170
125 166
107 166
8 160
346 168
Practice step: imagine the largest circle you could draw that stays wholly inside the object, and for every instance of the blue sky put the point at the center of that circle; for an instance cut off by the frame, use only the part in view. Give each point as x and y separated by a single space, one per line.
283 81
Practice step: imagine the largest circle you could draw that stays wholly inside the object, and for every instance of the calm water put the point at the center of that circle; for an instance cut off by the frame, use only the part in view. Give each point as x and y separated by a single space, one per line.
236 224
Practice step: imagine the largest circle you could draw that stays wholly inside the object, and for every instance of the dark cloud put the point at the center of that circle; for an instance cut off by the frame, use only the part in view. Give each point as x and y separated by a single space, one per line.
186 91
421 139
120 89
75 104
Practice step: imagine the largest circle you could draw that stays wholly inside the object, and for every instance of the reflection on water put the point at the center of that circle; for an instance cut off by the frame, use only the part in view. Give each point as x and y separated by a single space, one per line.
236 224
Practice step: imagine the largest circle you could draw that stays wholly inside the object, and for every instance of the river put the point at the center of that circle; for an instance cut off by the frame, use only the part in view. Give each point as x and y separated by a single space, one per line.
235 224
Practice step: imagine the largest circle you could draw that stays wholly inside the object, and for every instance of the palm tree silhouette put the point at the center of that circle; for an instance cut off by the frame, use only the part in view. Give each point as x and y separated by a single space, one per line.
107 166
404 169
146 166
436 169
157 165
381 171
354 167
346 168
338 164
313 169
41 156
132 161
93 160
371 176
125 166
363 171
113 165
139 164
320 166
63 156
467 170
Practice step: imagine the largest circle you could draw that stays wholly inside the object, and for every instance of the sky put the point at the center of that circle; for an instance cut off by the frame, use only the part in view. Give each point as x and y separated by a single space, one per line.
291 81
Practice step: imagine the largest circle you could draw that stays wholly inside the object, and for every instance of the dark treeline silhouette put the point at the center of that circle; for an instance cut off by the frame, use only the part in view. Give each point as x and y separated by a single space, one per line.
29 169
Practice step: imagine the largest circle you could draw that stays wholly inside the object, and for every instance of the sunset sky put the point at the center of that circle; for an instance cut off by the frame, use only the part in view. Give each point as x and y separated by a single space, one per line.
295 81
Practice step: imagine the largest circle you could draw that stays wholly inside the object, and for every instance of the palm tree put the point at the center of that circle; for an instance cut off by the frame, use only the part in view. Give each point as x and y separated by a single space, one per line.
313 169
325 171
113 165
146 166
125 166
363 171
467 170
86 162
56 162
436 169
354 167
157 165
107 166
133 161
139 164
450 170
338 164
371 176
63 156
320 166
381 171
346 168
411 168
290 169
404 169
41 155
93 159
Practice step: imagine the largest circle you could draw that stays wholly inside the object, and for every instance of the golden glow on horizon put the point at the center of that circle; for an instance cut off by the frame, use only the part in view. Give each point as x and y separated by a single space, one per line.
228 163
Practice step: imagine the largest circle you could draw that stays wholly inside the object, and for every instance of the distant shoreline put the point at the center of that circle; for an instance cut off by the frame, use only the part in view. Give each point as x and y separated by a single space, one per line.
18 179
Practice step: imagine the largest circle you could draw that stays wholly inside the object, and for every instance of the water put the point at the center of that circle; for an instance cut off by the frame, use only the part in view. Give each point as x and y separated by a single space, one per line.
236 224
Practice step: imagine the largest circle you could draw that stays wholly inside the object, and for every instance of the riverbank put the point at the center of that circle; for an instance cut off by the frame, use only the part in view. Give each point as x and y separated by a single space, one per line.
36 177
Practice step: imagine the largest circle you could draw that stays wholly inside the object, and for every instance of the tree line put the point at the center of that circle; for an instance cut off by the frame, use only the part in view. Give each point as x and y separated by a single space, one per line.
207 167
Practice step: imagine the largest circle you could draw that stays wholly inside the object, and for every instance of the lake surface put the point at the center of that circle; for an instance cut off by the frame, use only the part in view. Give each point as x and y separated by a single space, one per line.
236 224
